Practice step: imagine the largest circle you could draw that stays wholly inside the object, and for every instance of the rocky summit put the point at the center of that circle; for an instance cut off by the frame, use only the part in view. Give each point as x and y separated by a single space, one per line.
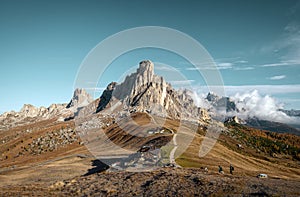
143 91
80 98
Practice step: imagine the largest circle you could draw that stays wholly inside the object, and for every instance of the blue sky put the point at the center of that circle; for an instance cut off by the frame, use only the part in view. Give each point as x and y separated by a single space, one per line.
256 44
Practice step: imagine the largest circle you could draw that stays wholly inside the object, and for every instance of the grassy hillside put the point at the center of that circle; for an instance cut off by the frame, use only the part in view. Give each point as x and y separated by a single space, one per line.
263 142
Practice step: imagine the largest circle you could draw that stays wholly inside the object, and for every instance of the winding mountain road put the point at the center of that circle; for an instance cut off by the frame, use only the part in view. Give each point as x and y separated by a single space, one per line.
172 153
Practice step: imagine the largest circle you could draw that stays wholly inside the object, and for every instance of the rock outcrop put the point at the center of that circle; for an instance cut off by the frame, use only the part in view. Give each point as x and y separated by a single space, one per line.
146 92
30 111
220 103
106 96
52 141
234 120
80 98
30 114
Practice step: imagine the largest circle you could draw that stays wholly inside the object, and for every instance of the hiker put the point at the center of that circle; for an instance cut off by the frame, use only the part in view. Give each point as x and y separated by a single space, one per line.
206 170
231 169
221 170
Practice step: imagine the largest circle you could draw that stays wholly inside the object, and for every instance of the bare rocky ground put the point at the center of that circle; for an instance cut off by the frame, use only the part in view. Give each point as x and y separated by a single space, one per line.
176 182
161 182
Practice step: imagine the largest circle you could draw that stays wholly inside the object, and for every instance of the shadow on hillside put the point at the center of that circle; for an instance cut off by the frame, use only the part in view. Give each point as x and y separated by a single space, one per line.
98 167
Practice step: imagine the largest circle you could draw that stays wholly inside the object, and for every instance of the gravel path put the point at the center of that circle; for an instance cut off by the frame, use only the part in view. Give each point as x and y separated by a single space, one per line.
172 153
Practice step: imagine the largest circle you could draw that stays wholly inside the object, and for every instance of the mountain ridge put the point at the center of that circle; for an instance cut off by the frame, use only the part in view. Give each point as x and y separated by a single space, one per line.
143 91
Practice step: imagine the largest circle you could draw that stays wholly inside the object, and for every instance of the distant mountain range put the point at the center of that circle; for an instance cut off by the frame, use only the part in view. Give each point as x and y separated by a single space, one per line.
218 102
272 126
143 91
291 112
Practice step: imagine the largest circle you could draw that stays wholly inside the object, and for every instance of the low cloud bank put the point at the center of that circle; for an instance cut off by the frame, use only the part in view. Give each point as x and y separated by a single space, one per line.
252 104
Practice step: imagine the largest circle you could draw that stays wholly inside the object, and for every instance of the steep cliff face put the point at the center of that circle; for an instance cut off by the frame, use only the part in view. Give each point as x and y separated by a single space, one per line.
106 96
80 98
144 91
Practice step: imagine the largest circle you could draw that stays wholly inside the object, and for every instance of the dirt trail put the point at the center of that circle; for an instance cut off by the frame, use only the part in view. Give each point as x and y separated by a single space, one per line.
172 153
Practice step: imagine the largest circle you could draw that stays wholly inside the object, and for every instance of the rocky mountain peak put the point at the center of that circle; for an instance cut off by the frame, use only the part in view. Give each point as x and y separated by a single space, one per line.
221 103
80 98
146 70
212 97
27 107
29 110
146 92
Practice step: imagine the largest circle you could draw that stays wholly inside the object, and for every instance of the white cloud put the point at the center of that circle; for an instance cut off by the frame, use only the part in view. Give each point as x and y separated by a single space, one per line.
202 68
200 100
181 82
252 104
274 64
192 68
222 64
235 66
225 65
281 63
277 77
165 68
244 68
241 61
263 89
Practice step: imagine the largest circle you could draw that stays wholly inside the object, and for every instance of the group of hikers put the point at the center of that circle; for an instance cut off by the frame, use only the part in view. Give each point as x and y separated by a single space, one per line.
231 169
